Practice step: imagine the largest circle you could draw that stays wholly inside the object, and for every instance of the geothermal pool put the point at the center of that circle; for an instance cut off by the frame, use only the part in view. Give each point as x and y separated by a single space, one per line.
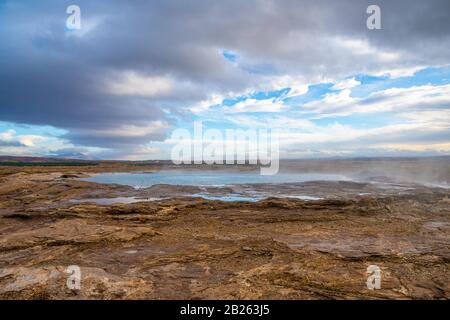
208 178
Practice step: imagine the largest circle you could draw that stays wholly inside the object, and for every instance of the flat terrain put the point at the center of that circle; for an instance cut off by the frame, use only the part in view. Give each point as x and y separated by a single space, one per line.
190 248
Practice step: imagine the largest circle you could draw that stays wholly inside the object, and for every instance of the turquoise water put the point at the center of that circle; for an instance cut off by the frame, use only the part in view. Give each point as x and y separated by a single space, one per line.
207 178
231 197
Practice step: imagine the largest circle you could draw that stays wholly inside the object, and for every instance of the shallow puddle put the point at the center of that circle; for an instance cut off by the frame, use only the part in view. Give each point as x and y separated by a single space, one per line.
108 201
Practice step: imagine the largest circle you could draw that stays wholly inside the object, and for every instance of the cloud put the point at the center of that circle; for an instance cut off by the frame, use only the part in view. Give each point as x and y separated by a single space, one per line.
254 105
30 140
71 153
346 84
8 139
204 105
134 67
8 134
120 136
133 84
4 143
303 137
412 99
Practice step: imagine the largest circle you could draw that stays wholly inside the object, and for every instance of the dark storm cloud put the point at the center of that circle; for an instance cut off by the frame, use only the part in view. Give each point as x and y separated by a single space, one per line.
54 77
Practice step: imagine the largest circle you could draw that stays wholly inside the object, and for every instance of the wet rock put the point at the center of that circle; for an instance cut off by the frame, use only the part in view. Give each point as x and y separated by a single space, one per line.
184 248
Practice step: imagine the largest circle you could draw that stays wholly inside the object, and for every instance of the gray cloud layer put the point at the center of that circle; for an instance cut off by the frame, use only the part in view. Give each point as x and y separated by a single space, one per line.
4 143
54 77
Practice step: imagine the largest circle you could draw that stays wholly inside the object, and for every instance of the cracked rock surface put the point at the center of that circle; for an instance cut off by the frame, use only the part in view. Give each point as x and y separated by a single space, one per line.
190 248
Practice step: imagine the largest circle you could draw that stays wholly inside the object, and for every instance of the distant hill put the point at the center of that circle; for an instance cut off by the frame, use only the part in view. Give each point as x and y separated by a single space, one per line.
17 161
43 161
39 159
13 161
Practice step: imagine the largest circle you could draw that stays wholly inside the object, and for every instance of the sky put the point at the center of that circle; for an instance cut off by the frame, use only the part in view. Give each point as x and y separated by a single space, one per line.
137 70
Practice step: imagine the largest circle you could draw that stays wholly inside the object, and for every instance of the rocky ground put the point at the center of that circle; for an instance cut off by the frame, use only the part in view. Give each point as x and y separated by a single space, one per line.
187 248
